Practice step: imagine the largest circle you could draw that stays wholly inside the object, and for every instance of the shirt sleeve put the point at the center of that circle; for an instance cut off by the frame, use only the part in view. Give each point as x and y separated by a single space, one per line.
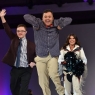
8 30
62 22
82 56
32 20
61 57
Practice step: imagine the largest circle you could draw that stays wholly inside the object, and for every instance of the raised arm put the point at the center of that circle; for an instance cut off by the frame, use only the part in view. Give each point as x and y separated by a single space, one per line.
35 22
5 25
62 22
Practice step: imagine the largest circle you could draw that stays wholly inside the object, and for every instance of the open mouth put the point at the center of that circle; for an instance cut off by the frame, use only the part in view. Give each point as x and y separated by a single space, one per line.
47 21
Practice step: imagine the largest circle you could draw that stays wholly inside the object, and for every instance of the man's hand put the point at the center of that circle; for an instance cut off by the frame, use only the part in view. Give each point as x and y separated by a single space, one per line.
58 27
2 13
32 64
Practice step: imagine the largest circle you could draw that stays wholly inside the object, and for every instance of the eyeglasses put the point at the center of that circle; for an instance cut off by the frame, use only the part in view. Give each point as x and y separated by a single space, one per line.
21 31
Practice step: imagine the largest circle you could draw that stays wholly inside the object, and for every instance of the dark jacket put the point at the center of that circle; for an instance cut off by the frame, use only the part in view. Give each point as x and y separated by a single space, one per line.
10 56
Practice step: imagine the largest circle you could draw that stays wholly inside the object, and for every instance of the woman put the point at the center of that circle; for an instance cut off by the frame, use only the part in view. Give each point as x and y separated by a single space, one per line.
71 76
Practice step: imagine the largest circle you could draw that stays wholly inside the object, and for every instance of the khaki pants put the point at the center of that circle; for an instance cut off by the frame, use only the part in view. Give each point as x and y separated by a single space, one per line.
48 67
76 83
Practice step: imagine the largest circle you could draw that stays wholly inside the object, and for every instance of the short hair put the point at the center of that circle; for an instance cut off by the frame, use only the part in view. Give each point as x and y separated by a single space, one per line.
47 10
22 25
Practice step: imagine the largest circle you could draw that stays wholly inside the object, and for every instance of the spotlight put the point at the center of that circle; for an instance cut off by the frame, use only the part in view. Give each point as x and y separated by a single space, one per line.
30 4
90 2
59 3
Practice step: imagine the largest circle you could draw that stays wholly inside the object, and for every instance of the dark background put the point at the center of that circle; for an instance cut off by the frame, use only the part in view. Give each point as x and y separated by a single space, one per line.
83 26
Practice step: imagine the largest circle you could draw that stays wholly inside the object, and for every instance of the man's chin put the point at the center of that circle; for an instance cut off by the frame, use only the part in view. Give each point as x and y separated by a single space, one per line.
20 36
48 24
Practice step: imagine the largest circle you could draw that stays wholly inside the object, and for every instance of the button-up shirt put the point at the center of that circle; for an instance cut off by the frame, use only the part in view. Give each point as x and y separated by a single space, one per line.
23 55
46 38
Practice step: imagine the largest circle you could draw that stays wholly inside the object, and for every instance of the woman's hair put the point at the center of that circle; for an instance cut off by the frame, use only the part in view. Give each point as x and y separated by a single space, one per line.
67 41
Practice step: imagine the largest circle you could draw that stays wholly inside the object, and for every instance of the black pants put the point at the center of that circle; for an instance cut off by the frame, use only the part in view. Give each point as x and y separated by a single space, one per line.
19 82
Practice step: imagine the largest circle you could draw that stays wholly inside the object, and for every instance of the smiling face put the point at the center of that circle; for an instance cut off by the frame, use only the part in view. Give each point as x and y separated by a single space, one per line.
47 18
72 40
21 32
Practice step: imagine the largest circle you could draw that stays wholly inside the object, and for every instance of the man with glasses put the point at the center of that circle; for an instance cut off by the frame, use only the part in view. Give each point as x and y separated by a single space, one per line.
20 56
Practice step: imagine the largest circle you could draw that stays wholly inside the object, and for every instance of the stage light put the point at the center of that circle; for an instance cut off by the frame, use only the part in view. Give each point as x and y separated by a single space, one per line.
90 2
60 3
30 4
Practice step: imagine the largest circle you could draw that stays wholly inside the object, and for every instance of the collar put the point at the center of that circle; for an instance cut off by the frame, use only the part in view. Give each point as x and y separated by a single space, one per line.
24 38
49 26
68 47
